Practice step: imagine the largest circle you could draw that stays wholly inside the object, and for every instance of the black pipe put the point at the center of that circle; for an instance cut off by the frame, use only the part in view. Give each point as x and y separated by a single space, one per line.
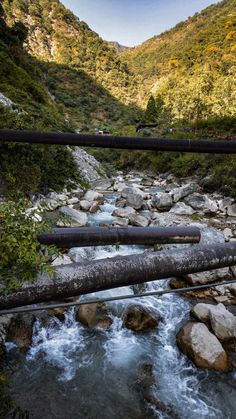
98 236
109 141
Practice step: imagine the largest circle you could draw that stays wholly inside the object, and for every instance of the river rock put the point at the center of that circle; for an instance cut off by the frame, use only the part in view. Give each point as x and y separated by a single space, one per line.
94 196
134 199
79 218
123 212
182 209
138 220
85 205
208 276
201 203
202 347
162 201
102 184
119 186
183 191
223 322
72 201
62 260
120 222
94 207
59 313
94 316
139 319
231 210
20 330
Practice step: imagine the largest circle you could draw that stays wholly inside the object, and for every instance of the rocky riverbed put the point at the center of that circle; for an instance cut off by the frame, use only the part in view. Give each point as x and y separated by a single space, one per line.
170 356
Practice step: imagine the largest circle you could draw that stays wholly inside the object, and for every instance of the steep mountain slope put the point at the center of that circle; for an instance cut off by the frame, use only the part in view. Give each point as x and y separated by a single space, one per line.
192 66
56 35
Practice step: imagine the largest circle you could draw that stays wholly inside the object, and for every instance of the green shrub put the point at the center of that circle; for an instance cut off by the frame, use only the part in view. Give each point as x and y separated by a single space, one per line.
21 255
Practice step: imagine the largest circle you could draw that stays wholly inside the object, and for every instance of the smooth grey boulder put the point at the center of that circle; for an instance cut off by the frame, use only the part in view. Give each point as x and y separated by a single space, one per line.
162 201
182 209
231 210
120 222
85 205
202 347
93 196
79 218
201 203
138 220
223 323
183 191
134 199
123 212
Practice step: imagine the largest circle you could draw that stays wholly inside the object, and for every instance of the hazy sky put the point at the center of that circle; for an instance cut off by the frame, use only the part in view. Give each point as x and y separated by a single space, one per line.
131 22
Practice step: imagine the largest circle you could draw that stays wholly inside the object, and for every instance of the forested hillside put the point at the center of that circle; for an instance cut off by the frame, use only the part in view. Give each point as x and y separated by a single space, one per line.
83 72
192 66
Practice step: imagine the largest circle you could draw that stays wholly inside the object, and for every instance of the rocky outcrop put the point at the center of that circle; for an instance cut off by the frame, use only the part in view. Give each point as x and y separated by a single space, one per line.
139 319
94 315
202 347
90 169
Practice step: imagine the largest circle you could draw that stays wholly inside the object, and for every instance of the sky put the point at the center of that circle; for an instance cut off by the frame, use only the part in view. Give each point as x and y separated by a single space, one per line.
130 22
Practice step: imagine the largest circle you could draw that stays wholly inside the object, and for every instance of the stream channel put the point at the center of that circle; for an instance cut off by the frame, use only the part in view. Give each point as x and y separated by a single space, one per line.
72 372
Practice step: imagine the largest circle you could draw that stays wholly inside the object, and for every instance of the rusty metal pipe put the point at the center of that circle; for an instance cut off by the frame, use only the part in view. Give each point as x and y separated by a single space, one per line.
65 238
77 279
109 141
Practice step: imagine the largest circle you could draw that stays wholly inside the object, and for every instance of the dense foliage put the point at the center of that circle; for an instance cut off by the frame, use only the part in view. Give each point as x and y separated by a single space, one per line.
21 255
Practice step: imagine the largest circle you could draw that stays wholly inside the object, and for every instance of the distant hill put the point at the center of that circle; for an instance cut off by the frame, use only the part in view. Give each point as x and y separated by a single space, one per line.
192 66
118 47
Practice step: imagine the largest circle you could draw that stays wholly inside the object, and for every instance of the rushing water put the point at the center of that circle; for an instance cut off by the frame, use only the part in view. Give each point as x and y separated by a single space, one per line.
74 372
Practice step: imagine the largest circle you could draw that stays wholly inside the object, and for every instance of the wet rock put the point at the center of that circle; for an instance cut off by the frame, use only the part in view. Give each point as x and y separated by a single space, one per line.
79 218
139 319
138 220
201 311
144 385
94 196
62 260
94 315
182 209
20 330
59 313
123 212
202 347
162 201
94 207
85 205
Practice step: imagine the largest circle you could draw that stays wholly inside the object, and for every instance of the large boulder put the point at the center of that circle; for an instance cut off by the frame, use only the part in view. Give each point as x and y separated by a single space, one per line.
182 209
183 191
94 196
162 201
231 210
134 199
94 316
202 347
139 319
85 205
201 203
123 212
78 218
138 220
223 323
